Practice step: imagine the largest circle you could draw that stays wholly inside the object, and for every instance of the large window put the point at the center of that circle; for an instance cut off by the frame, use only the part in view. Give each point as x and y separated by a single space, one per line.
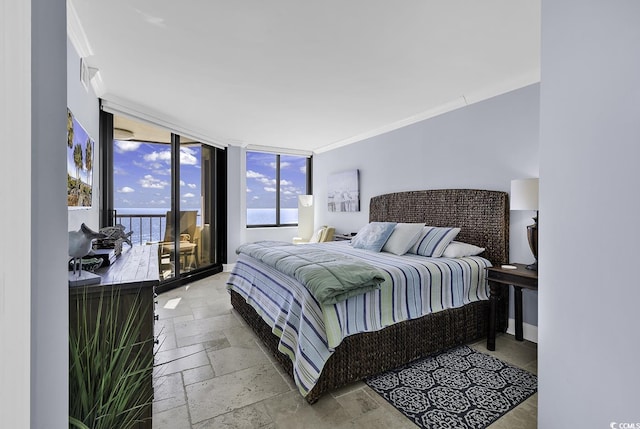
168 191
274 182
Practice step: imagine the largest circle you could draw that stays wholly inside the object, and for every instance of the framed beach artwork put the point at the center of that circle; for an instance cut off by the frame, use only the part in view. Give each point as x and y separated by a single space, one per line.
80 158
344 192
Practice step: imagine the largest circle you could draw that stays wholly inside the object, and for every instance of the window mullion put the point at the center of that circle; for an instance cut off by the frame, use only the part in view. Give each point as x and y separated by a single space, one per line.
277 190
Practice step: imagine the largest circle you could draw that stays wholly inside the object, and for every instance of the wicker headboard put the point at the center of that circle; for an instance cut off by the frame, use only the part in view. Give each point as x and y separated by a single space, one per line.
483 216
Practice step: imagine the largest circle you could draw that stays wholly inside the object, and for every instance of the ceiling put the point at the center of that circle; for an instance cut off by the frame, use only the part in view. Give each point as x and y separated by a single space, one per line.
303 75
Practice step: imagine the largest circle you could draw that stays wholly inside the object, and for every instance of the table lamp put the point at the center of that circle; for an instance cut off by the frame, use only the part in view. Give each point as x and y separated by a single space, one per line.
305 217
524 196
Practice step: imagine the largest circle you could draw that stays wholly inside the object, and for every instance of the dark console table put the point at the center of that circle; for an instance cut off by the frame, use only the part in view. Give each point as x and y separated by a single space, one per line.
132 278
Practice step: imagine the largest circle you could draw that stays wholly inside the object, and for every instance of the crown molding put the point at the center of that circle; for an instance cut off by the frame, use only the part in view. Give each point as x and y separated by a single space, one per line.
118 106
462 101
76 33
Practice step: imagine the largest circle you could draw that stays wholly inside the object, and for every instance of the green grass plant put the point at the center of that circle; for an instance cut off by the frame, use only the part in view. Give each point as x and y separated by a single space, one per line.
110 365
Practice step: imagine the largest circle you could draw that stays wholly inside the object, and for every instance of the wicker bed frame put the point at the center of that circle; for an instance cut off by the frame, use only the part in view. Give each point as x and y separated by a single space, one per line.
483 217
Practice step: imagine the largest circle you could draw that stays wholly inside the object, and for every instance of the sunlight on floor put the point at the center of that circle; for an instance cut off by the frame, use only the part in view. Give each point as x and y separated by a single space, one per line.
172 303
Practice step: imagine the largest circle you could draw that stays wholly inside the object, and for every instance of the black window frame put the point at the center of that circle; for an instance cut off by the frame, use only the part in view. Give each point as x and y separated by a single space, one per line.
308 191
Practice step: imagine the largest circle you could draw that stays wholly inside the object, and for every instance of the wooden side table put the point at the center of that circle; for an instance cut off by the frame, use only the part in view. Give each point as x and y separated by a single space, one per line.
500 278
342 237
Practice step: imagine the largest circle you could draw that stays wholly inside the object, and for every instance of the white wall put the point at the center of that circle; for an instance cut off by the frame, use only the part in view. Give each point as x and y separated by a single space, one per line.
33 278
15 186
590 195
83 103
481 146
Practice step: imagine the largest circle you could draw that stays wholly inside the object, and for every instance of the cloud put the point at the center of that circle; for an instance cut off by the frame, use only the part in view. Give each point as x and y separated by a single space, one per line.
126 146
182 183
192 185
164 156
149 181
189 195
126 190
269 189
186 156
254 175
260 178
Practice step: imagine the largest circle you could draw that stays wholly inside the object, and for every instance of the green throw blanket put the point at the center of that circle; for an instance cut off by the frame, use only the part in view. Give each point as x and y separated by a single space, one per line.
330 277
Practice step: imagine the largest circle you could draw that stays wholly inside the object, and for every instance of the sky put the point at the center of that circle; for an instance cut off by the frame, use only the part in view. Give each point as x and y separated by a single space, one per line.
142 175
261 180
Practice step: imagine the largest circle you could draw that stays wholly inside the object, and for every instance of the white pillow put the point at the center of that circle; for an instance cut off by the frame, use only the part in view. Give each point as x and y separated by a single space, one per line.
404 236
458 249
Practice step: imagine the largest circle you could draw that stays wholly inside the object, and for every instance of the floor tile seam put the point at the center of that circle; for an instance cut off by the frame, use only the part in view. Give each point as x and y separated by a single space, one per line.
162 366
347 393
213 369
200 381
186 398
184 394
276 365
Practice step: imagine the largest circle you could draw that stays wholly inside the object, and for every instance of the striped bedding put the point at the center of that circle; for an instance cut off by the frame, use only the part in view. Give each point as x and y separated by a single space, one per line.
414 286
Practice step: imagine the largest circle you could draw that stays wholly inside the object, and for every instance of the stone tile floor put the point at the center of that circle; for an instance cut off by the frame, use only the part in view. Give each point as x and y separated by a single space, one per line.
212 372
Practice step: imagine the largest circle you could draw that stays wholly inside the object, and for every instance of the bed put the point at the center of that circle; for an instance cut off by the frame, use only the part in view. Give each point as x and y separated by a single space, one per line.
482 217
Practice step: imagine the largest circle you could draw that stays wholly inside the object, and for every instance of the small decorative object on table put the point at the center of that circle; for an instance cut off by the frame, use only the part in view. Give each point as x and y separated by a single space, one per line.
89 264
524 196
114 238
80 246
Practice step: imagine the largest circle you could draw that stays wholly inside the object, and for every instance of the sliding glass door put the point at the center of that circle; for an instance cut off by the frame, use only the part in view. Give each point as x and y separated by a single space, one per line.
169 191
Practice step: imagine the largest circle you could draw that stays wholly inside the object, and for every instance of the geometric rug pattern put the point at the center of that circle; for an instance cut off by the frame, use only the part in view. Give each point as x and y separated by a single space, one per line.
459 388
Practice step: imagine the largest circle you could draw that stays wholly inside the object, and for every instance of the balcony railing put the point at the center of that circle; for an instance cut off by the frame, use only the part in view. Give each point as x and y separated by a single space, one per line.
146 227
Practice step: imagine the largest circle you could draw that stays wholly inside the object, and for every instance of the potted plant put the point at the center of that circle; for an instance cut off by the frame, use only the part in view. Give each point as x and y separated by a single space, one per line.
110 367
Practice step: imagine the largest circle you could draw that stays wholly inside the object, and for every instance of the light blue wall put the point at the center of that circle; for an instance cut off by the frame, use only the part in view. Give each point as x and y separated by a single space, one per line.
83 103
481 146
590 195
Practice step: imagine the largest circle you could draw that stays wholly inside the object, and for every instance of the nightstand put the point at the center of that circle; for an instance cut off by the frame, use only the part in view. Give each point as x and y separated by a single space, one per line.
342 237
499 279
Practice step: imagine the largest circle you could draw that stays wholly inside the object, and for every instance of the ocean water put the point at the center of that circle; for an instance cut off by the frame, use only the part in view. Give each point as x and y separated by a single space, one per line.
150 229
145 229
268 216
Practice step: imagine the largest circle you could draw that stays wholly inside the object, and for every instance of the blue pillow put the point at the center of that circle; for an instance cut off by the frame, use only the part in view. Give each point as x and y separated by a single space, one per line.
433 241
373 236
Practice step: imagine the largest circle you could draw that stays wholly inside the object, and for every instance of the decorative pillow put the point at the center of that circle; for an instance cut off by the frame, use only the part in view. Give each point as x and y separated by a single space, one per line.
315 238
373 236
458 249
404 236
433 240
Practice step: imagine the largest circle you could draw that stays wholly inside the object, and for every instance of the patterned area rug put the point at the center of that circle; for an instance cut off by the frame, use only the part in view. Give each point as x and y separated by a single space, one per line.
459 388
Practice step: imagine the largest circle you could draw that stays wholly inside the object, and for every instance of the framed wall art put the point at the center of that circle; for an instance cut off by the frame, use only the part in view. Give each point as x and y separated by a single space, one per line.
344 192
80 163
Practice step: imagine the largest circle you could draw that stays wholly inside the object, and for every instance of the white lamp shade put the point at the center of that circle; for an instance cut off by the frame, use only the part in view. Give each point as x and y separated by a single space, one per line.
305 216
524 194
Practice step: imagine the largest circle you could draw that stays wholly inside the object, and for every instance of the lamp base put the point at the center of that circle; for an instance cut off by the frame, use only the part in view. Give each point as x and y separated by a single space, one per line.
532 236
